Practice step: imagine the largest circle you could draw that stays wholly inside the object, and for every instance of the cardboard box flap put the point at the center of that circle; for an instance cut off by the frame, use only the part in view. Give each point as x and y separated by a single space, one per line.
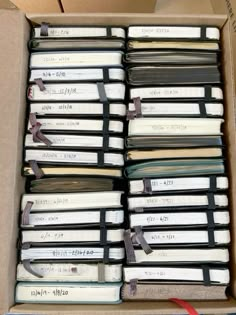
114 6
6 4
126 19
41 6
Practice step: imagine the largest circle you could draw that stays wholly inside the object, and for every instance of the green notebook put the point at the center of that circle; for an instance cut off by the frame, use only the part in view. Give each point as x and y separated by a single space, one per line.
185 167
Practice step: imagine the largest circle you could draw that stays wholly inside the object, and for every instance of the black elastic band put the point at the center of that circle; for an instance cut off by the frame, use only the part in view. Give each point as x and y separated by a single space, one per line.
109 31
103 236
202 109
206 275
147 186
106 249
208 91
213 183
106 77
211 237
211 201
27 265
105 132
100 155
203 32
103 230
210 219
102 92
102 218
106 109
44 29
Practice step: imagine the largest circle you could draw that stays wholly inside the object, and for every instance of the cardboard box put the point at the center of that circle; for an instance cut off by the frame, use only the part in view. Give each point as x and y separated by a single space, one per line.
15 31
85 6
29 6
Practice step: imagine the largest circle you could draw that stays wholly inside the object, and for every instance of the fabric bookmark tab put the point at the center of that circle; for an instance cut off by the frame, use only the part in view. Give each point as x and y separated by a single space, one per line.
133 287
36 169
27 265
129 248
44 29
26 213
140 238
188 307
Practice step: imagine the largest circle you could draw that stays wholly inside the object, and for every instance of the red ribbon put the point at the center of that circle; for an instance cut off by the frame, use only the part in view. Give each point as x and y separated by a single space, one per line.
189 308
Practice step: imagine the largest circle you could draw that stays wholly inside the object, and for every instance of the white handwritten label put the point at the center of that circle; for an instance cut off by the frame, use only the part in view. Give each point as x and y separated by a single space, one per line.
164 32
70 253
74 59
172 201
59 293
75 109
75 91
76 217
165 92
77 157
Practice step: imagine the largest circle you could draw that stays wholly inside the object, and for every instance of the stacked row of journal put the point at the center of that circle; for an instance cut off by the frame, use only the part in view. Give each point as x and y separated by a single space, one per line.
72 214
177 243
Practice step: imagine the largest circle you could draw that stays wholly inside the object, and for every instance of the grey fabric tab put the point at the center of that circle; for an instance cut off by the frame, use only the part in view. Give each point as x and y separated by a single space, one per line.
130 114
40 84
133 286
44 29
138 106
101 273
101 92
36 169
140 238
26 213
137 113
129 247
147 186
28 267
38 136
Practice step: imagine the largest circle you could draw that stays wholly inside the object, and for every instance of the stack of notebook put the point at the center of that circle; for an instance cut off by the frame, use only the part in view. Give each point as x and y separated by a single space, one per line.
178 206
72 214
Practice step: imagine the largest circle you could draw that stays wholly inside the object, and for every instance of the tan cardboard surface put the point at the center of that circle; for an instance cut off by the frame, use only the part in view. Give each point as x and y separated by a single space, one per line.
12 101
184 7
127 19
131 308
6 4
40 6
13 66
108 6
